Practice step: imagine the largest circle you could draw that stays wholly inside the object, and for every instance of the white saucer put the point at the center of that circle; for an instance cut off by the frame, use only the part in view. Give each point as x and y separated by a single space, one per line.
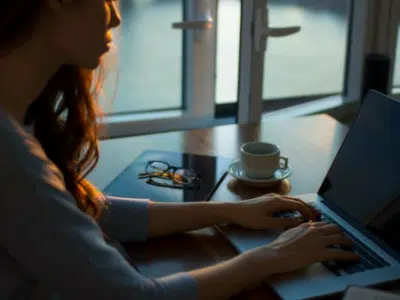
235 170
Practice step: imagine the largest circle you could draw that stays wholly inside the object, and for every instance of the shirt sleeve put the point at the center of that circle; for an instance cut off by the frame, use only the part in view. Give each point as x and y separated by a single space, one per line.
125 219
58 245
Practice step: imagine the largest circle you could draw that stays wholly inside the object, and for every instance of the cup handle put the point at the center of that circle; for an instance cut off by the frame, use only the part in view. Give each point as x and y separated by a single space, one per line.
285 161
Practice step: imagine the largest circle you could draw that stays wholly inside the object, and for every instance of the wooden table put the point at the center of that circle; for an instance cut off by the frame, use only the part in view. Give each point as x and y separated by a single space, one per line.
310 143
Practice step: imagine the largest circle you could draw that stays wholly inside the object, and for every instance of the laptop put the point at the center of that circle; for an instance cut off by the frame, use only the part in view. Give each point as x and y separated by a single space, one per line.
360 193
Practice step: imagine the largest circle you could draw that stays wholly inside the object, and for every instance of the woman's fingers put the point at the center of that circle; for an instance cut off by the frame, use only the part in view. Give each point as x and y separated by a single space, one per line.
329 229
314 211
283 222
316 224
292 205
337 254
336 239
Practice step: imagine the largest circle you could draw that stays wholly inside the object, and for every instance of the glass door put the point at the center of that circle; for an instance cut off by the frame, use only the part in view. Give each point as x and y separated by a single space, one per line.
256 30
313 62
165 62
299 51
148 45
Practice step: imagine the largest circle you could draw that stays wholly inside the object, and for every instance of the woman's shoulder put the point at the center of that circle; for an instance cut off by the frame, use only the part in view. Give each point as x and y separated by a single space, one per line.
23 161
20 151
13 134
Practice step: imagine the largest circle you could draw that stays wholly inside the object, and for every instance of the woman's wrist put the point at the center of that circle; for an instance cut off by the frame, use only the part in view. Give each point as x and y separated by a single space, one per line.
262 261
226 212
223 280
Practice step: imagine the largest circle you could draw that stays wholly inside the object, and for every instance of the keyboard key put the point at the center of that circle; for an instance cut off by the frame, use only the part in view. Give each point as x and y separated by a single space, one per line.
345 247
373 261
354 268
296 214
287 214
376 260
332 266
368 266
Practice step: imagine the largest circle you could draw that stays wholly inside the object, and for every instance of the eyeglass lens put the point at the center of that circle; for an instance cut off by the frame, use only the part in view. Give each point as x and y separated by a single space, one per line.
163 173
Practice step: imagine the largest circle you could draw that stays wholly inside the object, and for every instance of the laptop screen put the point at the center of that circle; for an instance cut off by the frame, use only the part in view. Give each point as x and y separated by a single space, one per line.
364 179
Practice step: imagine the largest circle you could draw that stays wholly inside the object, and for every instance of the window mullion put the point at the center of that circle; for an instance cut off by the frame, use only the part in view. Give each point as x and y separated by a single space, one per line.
362 32
386 33
251 67
201 61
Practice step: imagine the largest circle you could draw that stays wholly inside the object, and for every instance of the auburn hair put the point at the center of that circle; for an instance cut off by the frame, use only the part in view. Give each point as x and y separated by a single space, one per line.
64 116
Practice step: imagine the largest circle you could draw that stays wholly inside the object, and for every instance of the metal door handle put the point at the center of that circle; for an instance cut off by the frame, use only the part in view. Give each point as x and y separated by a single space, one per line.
262 30
205 23
282 31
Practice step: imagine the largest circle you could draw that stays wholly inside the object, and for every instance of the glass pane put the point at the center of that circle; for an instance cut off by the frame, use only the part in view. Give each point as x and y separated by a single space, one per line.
149 57
228 38
311 62
396 76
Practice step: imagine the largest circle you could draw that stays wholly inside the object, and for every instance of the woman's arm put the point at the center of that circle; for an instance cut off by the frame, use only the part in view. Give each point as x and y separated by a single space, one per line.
244 272
171 218
256 213
125 219
128 219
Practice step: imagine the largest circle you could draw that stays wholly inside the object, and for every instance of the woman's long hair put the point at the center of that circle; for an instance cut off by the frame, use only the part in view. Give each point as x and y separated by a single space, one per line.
64 115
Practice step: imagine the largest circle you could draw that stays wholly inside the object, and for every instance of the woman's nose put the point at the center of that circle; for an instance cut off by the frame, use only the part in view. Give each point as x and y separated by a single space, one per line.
115 16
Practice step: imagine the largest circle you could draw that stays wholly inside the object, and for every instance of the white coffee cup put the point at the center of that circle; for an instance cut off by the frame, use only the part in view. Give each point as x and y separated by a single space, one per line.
260 160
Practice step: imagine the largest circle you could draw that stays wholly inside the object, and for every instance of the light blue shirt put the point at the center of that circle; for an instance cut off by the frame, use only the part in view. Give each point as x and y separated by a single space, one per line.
49 249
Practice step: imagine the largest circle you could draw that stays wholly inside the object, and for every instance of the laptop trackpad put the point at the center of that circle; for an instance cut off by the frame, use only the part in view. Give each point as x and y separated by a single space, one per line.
244 239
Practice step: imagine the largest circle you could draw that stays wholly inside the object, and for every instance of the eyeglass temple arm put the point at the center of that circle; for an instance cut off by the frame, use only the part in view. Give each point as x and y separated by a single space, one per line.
161 173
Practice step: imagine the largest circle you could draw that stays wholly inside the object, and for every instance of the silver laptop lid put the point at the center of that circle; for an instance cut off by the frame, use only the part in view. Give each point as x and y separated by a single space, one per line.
363 182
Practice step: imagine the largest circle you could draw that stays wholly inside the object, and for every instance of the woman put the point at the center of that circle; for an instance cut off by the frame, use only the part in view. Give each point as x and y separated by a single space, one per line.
54 222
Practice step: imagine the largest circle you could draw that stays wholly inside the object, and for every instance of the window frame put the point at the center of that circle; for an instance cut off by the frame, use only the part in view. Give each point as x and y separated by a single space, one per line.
250 74
201 110
252 108
198 99
384 17
392 27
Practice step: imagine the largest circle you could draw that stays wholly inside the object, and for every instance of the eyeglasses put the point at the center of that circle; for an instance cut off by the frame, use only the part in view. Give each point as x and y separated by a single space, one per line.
161 173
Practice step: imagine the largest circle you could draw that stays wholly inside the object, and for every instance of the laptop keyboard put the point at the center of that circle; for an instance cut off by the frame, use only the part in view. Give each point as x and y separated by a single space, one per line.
368 259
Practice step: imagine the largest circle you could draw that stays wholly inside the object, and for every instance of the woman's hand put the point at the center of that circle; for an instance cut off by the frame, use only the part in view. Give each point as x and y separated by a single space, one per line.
295 249
258 213
299 247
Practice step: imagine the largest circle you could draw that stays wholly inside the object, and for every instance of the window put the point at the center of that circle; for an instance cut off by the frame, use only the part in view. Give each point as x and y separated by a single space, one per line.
181 62
313 61
323 59
387 43
149 58
228 43
166 64
396 68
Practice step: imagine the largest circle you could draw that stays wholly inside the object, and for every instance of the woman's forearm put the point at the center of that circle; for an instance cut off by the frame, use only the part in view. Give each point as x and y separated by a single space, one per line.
227 279
171 218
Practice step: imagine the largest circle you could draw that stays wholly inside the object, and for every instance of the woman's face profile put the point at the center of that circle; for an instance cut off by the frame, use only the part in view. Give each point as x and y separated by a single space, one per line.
83 30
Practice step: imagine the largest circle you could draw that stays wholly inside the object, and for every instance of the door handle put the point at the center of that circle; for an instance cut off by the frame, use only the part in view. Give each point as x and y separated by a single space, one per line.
282 31
262 30
207 22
